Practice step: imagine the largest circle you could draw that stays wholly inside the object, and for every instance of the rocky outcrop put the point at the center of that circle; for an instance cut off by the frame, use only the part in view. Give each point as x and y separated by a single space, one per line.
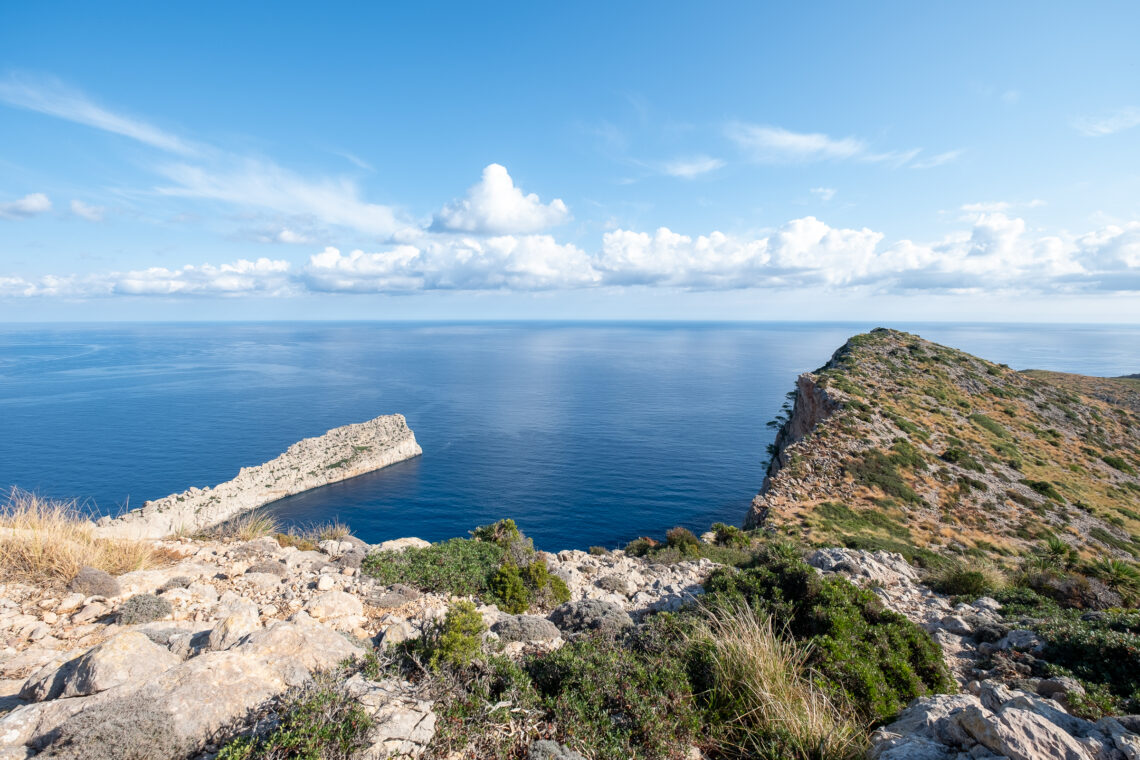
340 454
812 405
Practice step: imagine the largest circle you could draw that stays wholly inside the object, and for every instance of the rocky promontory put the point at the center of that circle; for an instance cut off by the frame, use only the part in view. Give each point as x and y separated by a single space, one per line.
341 453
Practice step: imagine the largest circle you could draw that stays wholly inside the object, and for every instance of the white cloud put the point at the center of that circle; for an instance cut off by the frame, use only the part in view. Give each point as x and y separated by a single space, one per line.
529 262
993 252
937 160
265 185
295 238
23 208
495 206
825 194
767 144
689 168
87 211
50 96
986 207
1125 118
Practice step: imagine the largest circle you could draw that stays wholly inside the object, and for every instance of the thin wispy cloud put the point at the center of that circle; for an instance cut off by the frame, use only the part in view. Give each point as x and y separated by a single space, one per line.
30 205
1125 118
938 159
825 194
692 167
87 211
767 144
50 96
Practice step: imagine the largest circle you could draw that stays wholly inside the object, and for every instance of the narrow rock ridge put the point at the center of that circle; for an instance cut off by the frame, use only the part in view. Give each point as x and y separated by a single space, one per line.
340 454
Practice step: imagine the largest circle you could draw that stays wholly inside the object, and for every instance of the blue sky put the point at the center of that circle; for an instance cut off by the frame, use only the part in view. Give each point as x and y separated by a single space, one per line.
667 160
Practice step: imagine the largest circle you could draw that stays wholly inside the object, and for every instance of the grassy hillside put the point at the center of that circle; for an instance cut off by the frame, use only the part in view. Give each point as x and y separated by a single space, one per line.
914 446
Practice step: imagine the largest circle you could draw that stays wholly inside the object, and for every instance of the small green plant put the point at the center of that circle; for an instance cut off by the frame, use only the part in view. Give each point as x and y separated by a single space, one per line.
683 540
989 424
459 566
1119 464
962 459
318 721
503 533
1045 488
1122 577
457 640
731 536
973 580
508 590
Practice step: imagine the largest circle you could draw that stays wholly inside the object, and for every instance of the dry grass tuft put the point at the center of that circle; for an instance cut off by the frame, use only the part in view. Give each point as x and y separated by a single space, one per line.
246 527
765 691
45 542
334 531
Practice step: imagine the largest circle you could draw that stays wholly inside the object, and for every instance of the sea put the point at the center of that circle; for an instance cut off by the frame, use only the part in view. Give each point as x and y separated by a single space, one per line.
583 433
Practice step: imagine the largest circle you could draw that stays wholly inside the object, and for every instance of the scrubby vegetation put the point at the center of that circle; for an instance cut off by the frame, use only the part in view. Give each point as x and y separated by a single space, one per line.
775 661
46 542
317 721
498 563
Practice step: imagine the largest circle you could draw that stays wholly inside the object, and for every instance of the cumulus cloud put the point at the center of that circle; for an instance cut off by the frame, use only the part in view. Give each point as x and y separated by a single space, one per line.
50 96
87 211
507 262
495 206
28 206
689 168
242 277
1125 118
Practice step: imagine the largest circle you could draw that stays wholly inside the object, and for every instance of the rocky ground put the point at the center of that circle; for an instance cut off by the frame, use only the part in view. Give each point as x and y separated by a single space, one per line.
188 653
1000 712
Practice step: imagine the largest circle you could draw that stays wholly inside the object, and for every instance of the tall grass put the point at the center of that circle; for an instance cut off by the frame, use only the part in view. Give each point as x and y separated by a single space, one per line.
764 691
44 541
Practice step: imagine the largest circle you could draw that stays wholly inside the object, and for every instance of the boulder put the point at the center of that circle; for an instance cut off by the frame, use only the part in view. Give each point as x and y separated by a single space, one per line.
591 615
1020 735
127 657
399 544
526 628
545 749
233 628
338 608
301 641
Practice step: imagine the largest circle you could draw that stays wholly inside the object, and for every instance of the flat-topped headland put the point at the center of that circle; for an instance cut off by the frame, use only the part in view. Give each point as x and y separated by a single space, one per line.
341 453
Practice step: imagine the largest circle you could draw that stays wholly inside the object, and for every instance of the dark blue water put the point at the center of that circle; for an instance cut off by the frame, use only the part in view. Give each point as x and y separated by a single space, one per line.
584 433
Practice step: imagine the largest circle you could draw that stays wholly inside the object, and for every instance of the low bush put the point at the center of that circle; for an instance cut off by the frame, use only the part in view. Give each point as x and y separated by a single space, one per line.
867 656
617 701
683 540
1045 488
986 423
144 608
879 470
317 721
962 459
1118 463
1101 650
731 536
457 640
460 566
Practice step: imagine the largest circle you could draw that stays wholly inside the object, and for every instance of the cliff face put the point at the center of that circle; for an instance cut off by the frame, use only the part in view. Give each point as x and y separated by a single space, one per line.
903 444
340 454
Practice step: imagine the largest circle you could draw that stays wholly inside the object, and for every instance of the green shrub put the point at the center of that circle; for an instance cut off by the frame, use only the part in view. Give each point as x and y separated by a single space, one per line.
459 566
617 701
962 459
878 470
507 590
683 540
1105 650
1122 577
1119 464
318 721
730 535
989 424
457 640
867 656
1045 488
639 547
488 713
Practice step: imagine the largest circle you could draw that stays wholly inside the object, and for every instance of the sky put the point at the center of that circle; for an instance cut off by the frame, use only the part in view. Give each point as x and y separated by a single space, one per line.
725 161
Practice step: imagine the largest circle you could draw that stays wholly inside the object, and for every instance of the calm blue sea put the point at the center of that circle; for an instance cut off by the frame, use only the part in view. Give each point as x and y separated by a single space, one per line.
584 433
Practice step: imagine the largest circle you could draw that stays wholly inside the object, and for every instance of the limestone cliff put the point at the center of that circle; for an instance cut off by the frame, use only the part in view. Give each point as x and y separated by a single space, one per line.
340 454
904 444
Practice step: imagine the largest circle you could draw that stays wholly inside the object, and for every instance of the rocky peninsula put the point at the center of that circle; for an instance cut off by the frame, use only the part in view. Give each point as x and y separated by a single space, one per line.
341 453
